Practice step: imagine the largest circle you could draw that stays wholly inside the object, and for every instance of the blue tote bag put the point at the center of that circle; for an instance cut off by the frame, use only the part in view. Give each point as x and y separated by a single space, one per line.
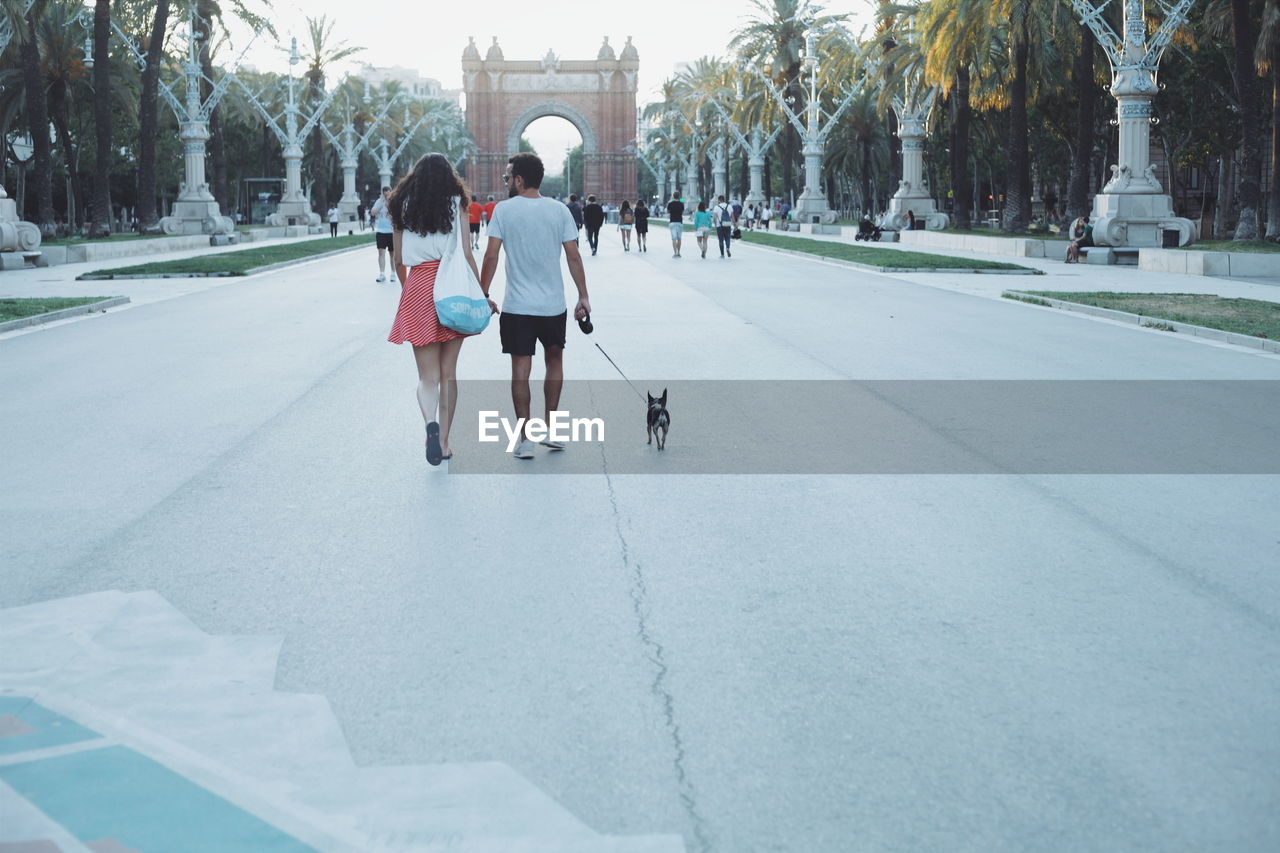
460 303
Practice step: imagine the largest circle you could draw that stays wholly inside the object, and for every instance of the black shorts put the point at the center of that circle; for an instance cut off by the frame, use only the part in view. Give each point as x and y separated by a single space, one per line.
384 240
520 332
475 227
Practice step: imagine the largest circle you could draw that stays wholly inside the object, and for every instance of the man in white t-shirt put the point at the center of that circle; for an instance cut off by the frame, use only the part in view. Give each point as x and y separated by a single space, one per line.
535 230
382 230
333 220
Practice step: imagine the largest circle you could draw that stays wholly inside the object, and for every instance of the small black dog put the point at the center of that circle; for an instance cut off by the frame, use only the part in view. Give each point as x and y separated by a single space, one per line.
659 420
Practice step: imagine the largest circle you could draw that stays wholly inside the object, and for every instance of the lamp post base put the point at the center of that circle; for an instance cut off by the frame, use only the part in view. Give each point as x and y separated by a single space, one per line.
924 209
1139 219
16 235
295 213
812 209
197 217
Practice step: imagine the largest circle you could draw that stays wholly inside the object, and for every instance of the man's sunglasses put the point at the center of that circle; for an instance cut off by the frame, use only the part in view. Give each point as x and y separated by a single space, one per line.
506 179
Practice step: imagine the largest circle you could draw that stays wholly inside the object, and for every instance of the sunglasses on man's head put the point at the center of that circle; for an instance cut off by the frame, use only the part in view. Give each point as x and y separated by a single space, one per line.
506 179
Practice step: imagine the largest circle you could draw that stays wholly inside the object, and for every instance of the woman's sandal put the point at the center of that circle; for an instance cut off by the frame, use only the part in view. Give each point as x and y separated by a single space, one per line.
434 454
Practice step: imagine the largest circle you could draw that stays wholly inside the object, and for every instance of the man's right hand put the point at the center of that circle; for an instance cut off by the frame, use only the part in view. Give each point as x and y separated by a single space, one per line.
582 310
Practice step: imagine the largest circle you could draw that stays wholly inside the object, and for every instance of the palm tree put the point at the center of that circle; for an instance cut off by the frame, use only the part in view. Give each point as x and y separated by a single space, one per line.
321 53
100 225
148 121
37 107
775 38
63 67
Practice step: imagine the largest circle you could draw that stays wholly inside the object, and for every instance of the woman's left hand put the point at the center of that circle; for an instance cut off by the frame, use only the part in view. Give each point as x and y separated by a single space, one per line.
493 307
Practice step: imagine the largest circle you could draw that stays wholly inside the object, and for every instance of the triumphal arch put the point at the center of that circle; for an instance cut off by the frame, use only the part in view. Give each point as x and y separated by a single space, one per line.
598 96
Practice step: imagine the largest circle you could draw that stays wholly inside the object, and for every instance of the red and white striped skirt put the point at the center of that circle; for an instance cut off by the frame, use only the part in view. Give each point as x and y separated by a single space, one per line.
416 320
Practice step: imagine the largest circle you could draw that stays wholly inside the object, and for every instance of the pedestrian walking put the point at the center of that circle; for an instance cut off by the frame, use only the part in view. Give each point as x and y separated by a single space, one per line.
642 226
703 225
489 205
765 214
427 212
475 212
723 215
626 221
333 220
534 230
593 220
675 218
382 231
360 214
575 210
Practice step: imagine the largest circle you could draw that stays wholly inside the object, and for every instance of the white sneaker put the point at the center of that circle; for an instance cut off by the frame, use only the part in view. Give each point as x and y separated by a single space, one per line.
524 450
381 278
554 445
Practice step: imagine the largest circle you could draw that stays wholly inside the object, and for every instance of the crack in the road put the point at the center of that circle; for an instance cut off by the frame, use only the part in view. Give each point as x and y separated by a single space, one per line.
654 651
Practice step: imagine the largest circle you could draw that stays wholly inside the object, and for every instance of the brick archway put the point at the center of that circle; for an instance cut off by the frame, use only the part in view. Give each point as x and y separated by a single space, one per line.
597 96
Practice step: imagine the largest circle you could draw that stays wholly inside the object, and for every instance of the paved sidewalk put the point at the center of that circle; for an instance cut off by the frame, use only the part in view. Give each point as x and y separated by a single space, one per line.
225 495
1068 277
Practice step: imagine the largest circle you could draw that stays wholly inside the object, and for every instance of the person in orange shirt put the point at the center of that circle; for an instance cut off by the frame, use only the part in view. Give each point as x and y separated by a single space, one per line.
474 214
488 212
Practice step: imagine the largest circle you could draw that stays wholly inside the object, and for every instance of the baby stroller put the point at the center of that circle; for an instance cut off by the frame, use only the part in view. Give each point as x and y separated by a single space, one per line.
867 230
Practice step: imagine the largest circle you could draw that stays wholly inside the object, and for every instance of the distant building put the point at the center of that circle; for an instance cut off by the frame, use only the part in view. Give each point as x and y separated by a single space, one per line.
412 81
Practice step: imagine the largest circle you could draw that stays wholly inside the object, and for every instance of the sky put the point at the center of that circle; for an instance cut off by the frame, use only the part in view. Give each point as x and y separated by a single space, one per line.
665 32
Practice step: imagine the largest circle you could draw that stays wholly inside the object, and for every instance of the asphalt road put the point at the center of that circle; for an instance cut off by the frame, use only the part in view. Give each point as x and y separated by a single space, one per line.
784 662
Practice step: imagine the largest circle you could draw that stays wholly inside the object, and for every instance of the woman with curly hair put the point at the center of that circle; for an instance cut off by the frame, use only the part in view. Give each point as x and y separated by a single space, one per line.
429 209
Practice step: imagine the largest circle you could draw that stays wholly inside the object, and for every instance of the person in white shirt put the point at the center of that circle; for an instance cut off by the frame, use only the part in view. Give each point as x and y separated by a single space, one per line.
333 221
428 209
380 213
534 230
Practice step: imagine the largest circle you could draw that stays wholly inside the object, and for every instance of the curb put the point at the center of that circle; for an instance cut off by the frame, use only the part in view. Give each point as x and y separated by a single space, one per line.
62 314
871 268
107 276
1265 344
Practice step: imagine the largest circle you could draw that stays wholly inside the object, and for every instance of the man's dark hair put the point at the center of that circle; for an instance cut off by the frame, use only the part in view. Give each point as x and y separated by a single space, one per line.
528 166
573 196
591 199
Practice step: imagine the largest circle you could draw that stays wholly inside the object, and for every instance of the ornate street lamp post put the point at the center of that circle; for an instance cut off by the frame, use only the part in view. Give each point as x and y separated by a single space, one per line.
912 109
814 129
349 146
195 211
1132 209
754 147
385 157
294 208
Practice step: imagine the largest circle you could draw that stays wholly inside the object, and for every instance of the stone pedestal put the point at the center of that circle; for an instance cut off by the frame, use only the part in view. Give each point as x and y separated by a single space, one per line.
1121 219
913 193
812 205
196 211
16 235
720 170
690 187
294 209
350 199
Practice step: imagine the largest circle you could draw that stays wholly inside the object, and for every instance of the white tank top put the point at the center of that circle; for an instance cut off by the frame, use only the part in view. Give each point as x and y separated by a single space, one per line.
418 248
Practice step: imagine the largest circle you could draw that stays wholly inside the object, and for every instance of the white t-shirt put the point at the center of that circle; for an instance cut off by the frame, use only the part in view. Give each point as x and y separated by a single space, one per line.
381 217
418 248
533 232
333 214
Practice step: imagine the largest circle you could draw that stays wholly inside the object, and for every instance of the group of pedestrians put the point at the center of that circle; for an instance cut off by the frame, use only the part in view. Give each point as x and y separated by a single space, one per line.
592 216
426 211
722 218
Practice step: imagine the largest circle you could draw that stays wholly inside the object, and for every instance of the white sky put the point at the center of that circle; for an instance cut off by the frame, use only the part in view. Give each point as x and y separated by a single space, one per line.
431 36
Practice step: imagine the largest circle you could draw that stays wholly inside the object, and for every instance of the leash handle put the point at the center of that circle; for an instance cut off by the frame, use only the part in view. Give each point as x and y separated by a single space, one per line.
620 373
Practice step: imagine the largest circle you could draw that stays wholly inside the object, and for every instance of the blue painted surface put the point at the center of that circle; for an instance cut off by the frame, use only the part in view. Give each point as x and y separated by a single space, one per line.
50 729
115 792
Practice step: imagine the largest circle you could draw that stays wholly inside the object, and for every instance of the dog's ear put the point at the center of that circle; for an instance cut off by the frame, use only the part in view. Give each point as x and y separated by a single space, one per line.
650 396
663 398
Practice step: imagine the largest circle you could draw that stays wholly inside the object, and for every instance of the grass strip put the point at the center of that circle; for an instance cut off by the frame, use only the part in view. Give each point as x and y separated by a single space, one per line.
875 257
17 309
1243 316
241 262
1250 247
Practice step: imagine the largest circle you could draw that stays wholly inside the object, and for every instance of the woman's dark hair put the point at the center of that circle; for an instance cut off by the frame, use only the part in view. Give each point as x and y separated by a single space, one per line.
702 205
626 205
423 201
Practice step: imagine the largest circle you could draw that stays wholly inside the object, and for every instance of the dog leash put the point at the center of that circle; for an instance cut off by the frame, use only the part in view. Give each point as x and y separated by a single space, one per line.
620 373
